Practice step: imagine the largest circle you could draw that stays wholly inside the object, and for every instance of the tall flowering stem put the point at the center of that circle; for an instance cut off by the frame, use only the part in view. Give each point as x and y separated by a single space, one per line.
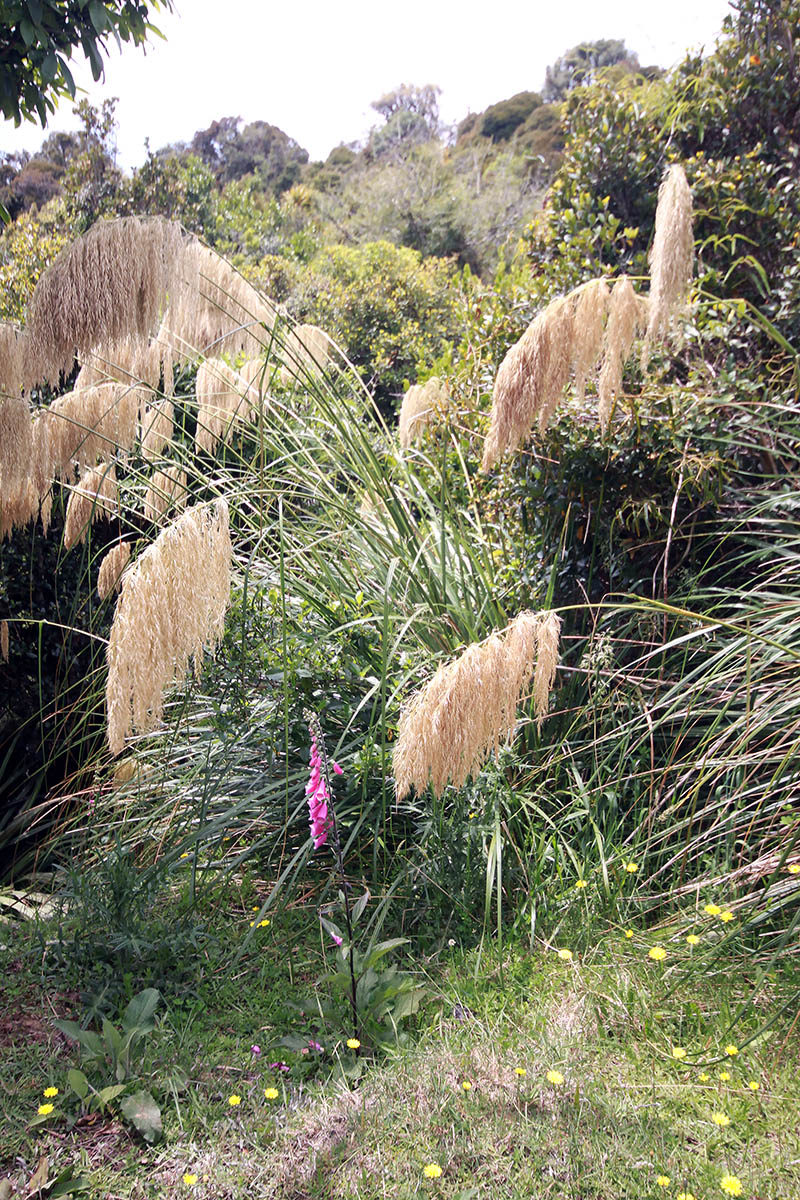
324 828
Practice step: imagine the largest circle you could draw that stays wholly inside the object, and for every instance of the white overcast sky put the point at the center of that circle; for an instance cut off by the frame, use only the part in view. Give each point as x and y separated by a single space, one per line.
313 68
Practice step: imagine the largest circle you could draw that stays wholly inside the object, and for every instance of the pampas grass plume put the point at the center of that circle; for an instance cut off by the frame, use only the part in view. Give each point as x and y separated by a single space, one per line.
94 497
167 488
4 640
114 563
465 712
172 605
422 405
671 256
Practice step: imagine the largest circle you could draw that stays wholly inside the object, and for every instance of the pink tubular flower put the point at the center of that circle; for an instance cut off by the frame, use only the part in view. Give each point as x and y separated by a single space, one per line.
336 938
255 1050
337 770
317 792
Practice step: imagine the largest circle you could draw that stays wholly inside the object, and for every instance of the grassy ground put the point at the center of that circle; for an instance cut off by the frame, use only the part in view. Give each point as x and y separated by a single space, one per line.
469 1094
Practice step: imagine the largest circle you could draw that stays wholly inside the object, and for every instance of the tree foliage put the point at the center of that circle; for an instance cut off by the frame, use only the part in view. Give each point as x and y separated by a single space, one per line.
37 38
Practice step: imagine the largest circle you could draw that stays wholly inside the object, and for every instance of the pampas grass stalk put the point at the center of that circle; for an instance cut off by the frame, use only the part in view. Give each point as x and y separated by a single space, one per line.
157 427
172 605
468 709
167 488
627 317
671 256
422 405
114 563
94 497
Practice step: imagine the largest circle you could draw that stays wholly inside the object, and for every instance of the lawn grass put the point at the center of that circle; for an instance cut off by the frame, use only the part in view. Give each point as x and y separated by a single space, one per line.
608 1020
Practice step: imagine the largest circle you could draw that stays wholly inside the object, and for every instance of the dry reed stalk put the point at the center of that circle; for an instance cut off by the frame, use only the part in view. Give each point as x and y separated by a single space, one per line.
221 400
627 317
423 404
94 498
305 352
4 640
167 489
110 574
156 428
171 606
213 309
107 286
671 256
464 713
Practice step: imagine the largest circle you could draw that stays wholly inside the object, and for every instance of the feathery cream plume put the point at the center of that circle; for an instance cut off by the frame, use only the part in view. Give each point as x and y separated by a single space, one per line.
131 360
305 352
15 360
591 305
167 489
114 563
423 404
627 317
107 286
671 256
94 498
4 640
221 400
91 424
171 606
157 426
464 713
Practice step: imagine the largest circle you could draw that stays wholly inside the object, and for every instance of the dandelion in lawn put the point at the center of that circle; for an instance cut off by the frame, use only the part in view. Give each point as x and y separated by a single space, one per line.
432 1171
724 1076
190 1180
730 1185
703 1077
565 955
692 939
466 1085
726 916
713 910
793 868
50 1092
555 1077
721 1119
581 883
44 1110
271 1093
234 1100
263 924
753 1084
678 1052
631 867
684 1196
731 1050
663 1181
657 953
353 1043
520 1072
628 934
187 855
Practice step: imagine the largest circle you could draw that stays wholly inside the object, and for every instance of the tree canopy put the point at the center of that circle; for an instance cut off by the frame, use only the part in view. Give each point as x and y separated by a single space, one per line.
37 38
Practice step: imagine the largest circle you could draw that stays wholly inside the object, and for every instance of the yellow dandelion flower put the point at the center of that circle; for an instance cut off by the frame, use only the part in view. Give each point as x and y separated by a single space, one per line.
631 867
713 910
692 939
726 916
520 1071
271 1093
432 1171
724 1076
629 934
353 1043
754 1085
44 1110
581 883
684 1196
721 1119
190 1180
185 854
49 1092
678 1052
263 924
663 1180
658 953
566 955
793 868
703 1077
466 1085
234 1100
730 1185
254 908
731 1050
555 1077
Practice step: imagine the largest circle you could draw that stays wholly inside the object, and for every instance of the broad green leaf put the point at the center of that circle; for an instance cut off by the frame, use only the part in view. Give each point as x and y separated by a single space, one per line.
89 1040
107 1094
144 1114
138 1015
78 1082
360 905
